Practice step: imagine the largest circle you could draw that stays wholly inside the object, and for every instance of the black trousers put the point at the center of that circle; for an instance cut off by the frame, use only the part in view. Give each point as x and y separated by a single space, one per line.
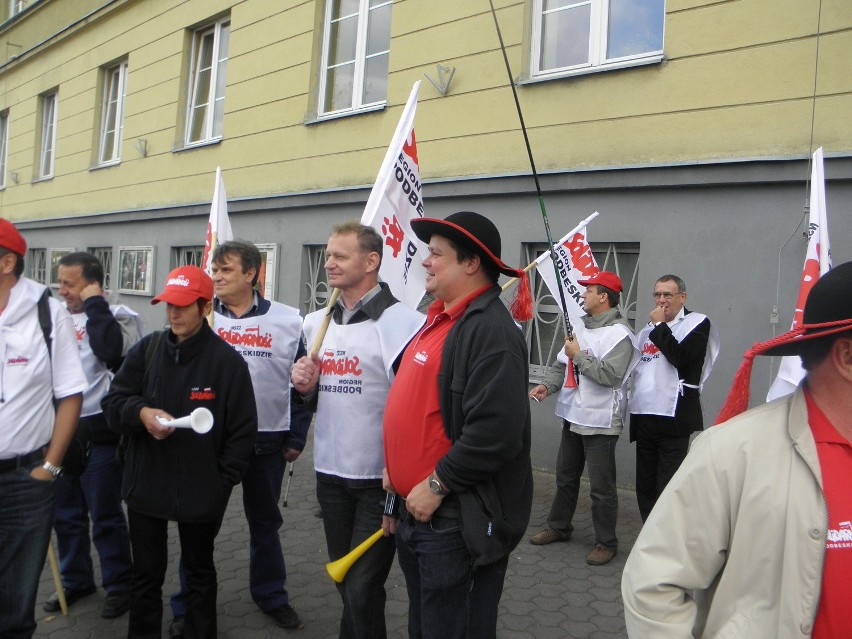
148 537
658 456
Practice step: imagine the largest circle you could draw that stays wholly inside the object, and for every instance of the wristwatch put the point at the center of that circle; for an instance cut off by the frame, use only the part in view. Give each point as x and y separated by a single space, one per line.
436 487
56 471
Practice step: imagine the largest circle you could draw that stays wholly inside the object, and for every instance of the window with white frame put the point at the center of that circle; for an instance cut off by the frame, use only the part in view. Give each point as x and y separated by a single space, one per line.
208 66
47 149
112 113
4 144
355 53
16 6
575 36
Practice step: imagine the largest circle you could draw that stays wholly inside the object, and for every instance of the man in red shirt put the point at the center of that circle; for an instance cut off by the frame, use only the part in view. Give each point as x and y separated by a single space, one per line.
753 535
457 436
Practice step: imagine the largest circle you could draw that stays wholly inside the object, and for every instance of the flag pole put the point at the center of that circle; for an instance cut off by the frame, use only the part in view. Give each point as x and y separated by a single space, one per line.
532 264
569 329
320 336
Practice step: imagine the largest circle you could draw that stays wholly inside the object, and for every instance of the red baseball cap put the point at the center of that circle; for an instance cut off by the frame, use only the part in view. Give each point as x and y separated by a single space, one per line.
604 278
184 286
11 239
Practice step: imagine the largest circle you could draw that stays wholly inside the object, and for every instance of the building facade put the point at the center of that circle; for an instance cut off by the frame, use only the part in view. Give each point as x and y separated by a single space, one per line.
687 124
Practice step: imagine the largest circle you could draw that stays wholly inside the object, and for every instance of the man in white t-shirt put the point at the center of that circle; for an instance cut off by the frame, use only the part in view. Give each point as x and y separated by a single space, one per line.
40 366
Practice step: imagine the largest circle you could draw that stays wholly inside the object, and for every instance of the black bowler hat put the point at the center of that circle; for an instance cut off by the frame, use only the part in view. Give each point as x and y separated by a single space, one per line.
469 229
828 310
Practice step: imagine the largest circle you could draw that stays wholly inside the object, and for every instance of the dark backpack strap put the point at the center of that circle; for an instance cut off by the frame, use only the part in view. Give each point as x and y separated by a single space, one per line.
153 345
44 319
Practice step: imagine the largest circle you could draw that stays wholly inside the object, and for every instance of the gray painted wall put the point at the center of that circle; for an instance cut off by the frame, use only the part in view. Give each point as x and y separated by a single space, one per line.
720 227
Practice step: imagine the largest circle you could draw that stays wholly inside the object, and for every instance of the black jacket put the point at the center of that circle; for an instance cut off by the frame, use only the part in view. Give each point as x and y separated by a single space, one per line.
186 477
483 387
688 358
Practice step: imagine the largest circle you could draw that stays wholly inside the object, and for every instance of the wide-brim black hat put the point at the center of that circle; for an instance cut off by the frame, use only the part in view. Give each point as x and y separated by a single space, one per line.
828 306
471 230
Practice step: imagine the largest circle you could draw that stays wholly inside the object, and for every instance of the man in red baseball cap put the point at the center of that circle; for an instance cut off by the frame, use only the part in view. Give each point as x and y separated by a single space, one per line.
176 474
594 366
39 362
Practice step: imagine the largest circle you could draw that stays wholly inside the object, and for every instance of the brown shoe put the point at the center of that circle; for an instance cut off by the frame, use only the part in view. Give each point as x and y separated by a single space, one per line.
547 536
600 555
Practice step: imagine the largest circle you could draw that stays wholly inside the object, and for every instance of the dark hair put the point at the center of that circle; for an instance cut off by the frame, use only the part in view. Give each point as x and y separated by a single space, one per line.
681 286
613 297
464 252
369 240
813 351
90 266
247 252
19 264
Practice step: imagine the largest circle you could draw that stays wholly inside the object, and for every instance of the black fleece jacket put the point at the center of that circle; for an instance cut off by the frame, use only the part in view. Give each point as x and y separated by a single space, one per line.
483 387
186 477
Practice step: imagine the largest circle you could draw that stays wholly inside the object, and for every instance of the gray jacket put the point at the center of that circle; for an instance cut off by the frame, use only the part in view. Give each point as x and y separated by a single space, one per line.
608 371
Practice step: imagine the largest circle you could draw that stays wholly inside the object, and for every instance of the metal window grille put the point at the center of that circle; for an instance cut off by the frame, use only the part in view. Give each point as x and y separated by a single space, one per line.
104 255
36 264
187 256
545 332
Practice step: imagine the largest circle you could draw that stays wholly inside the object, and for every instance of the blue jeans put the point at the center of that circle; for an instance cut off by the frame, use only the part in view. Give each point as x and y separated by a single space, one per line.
261 492
575 452
26 516
350 515
446 599
96 494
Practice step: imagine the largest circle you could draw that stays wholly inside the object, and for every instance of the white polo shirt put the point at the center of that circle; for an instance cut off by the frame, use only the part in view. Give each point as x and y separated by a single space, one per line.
30 378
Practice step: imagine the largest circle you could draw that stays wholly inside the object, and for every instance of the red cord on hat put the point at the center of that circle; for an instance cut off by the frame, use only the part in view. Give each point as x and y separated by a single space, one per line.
521 307
738 396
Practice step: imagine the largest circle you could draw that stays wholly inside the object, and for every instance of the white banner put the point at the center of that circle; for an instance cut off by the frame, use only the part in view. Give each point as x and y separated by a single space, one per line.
817 264
218 226
396 199
575 262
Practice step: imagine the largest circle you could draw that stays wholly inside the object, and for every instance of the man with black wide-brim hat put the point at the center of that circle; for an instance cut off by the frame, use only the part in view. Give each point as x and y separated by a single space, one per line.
457 435
752 537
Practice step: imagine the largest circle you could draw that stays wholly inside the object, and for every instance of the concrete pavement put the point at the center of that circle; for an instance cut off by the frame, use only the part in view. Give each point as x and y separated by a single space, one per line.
550 591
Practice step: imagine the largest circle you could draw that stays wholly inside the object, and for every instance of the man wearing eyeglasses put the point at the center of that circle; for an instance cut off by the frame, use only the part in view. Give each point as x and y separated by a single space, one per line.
678 349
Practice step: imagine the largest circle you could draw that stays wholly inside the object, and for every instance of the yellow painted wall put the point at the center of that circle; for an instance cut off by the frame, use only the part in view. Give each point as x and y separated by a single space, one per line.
737 82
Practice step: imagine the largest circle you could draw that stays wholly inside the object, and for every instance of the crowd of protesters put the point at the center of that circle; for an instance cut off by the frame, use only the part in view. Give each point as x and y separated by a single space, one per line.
421 446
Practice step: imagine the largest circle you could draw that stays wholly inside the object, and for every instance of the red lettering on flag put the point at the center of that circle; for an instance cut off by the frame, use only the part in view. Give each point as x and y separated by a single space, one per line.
410 149
581 255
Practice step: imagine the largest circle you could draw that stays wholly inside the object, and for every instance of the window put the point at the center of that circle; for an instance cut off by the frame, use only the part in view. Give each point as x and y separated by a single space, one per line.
356 48
47 148
112 113
317 289
4 143
36 264
16 6
545 331
206 103
571 36
104 255
187 256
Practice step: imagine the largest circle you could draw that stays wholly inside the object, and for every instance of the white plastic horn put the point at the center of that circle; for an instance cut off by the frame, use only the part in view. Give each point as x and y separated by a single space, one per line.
200 420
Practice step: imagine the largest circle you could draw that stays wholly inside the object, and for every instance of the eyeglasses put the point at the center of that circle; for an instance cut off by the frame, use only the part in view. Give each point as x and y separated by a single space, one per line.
666 295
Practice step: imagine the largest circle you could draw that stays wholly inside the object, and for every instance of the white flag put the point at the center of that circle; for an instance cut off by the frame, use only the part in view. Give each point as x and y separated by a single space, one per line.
396 199
219 226
575 262
817 264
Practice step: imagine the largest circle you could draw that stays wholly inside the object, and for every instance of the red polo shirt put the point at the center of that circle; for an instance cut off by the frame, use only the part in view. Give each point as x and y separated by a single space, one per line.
834 616
414 435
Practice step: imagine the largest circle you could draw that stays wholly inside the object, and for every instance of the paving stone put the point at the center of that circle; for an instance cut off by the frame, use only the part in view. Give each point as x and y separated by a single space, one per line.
550 592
